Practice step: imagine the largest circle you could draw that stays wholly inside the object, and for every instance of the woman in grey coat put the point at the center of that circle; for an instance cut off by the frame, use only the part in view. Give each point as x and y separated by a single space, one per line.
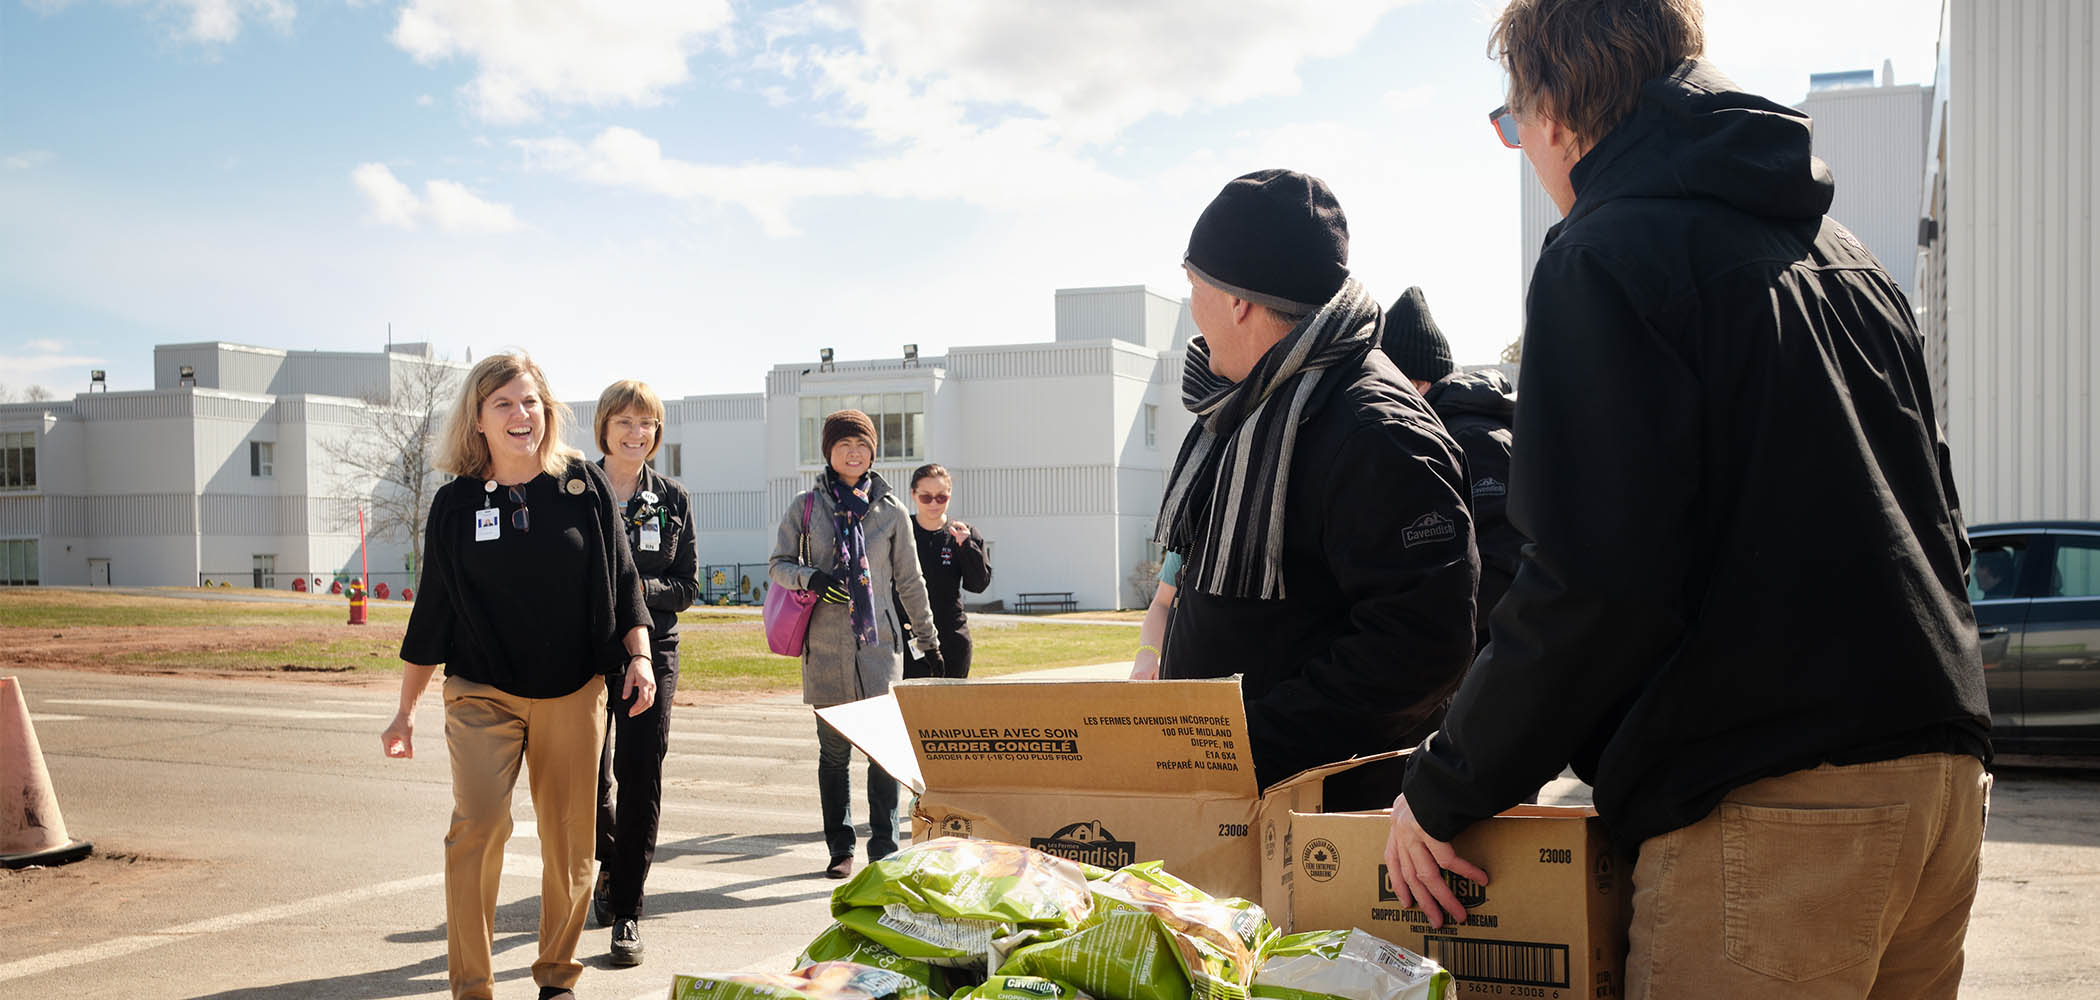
848 540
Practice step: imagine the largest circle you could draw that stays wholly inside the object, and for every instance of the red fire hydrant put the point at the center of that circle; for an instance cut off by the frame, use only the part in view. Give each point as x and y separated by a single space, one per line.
357 603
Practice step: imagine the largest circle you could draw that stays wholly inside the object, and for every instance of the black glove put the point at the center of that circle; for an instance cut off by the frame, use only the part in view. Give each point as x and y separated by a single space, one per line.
935 666
828 590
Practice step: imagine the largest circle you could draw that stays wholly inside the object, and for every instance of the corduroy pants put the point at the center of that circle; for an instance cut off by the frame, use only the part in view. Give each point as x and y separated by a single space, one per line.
1837 882
490 733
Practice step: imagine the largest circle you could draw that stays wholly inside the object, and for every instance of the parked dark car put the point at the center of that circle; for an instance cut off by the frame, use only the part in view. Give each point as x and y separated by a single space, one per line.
2035 586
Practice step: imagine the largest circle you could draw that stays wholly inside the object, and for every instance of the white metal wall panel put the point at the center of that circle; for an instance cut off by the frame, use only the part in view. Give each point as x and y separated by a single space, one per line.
246 369
21 516
1029 362
141 515
749 407
744 511
1873 140
1101 314
2022 257
1536 213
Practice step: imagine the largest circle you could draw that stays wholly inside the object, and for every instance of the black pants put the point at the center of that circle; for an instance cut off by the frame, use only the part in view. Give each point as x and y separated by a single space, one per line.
632 761
955 656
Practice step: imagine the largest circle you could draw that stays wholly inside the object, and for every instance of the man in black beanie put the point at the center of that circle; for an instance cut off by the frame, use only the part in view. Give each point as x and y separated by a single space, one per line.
1477 408
1318 504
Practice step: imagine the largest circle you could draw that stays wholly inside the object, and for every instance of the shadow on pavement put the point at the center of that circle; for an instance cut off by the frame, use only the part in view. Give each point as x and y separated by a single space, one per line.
517 925
2045 805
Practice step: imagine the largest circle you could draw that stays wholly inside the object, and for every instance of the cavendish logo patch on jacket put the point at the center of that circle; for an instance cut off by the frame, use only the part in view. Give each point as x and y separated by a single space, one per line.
1489 486
1430 527
1089 842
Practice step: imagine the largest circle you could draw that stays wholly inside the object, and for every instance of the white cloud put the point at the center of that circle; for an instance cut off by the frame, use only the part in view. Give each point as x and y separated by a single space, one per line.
561 51
456 210
446 204
391 202
206 21
1090 67
44 346
27 159
425 100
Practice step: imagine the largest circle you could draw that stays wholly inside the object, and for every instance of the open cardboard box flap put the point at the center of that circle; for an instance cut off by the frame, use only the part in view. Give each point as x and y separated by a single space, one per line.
1106 772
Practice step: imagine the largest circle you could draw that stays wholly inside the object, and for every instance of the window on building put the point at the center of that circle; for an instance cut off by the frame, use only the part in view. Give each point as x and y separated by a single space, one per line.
670 462
262 459
18 461
1151 426
265 571
18 562
900 424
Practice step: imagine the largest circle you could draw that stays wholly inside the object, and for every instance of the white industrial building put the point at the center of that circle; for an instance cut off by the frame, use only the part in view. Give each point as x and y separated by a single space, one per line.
1059 451
2009 259
221 473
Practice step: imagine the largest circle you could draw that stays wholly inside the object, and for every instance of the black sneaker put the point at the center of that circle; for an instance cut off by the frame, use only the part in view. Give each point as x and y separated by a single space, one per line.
627 942
601 900
557 993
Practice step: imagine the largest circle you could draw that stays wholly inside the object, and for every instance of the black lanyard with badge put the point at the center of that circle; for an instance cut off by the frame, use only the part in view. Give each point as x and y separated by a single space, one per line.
648 521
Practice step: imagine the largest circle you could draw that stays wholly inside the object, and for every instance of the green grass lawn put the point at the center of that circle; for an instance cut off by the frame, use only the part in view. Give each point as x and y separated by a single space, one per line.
718 650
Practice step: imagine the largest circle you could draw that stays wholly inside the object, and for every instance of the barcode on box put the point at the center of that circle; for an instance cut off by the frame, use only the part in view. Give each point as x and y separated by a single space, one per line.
1518 963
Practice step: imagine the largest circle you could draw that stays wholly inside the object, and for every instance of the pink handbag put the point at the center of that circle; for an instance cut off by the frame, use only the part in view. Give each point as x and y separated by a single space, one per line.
788 609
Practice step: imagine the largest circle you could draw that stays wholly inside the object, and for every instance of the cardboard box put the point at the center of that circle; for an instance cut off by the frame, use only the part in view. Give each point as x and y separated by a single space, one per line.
1551 922
1105 772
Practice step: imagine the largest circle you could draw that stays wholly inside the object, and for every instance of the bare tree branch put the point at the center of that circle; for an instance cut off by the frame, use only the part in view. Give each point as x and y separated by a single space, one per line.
386 467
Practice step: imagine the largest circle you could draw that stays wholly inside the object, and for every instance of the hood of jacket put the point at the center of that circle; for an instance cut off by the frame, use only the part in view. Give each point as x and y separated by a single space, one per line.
1486 393
1695 135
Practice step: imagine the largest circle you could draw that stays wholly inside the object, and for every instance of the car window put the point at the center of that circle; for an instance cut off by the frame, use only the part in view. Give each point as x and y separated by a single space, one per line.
1994 566
2077 567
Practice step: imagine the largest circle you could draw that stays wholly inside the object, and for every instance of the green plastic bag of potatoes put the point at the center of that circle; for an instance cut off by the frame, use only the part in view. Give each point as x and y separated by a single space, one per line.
840 943
822 981
1153 937
1347 965
943 902
1021 988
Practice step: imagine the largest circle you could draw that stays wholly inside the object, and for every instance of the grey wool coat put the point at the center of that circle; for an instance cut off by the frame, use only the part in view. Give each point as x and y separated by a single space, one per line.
833 670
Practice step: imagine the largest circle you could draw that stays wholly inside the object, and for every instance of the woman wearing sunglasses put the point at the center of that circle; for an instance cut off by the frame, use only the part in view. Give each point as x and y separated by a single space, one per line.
658 519
953 558
847 541
531 600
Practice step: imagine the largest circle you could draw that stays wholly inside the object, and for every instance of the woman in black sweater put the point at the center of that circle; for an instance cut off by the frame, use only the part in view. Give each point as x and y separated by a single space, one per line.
531 601
953 558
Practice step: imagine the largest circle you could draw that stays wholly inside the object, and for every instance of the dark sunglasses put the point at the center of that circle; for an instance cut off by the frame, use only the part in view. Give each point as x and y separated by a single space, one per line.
521 518
1505 124
934 497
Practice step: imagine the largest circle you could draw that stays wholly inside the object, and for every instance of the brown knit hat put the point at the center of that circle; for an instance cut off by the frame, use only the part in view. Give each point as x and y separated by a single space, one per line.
844 424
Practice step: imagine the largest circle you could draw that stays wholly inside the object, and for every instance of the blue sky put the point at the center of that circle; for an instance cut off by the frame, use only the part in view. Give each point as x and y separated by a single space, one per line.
689 191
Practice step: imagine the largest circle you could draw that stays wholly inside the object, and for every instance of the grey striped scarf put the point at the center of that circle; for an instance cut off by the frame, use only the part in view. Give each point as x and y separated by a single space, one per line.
1224 505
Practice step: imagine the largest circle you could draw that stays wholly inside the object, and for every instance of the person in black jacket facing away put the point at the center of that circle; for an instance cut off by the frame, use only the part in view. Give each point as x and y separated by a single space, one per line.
658 519
1742 614
1477 408
1319 506
952 559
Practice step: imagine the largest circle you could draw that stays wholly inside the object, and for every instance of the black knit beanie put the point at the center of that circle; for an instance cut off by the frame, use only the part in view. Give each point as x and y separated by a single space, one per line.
844 424
1276 237
1413 341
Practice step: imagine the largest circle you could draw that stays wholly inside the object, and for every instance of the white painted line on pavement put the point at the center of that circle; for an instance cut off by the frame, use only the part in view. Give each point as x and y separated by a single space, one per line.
771 741
809 762
57 718
198 706
119 947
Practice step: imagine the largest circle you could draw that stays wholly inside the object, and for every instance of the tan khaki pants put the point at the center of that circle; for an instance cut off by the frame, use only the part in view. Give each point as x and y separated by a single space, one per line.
490 733
1835 882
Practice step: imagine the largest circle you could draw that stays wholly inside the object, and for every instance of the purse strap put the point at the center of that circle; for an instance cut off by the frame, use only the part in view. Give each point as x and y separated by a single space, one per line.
808 499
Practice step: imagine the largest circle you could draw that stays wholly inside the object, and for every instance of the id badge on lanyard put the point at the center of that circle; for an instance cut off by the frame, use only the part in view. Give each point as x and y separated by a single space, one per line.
488 524
652 534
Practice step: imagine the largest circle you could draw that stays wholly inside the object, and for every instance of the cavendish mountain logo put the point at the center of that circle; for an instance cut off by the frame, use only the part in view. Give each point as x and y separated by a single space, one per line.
955 826
1430 527
1470 893
1088 842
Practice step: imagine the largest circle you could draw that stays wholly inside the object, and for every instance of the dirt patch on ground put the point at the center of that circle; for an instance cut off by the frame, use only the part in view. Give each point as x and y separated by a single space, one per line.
43 902
107 649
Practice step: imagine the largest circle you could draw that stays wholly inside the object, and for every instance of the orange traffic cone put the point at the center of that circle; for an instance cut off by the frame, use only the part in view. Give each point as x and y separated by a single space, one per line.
33 834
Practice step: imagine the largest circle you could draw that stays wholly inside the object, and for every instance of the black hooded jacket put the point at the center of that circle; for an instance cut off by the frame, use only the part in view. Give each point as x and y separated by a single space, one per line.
1478 408
1746 553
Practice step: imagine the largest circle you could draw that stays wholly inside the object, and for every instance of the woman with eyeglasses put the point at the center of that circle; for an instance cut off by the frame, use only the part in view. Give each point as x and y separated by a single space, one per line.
847 540
531 600
953 558
657 517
